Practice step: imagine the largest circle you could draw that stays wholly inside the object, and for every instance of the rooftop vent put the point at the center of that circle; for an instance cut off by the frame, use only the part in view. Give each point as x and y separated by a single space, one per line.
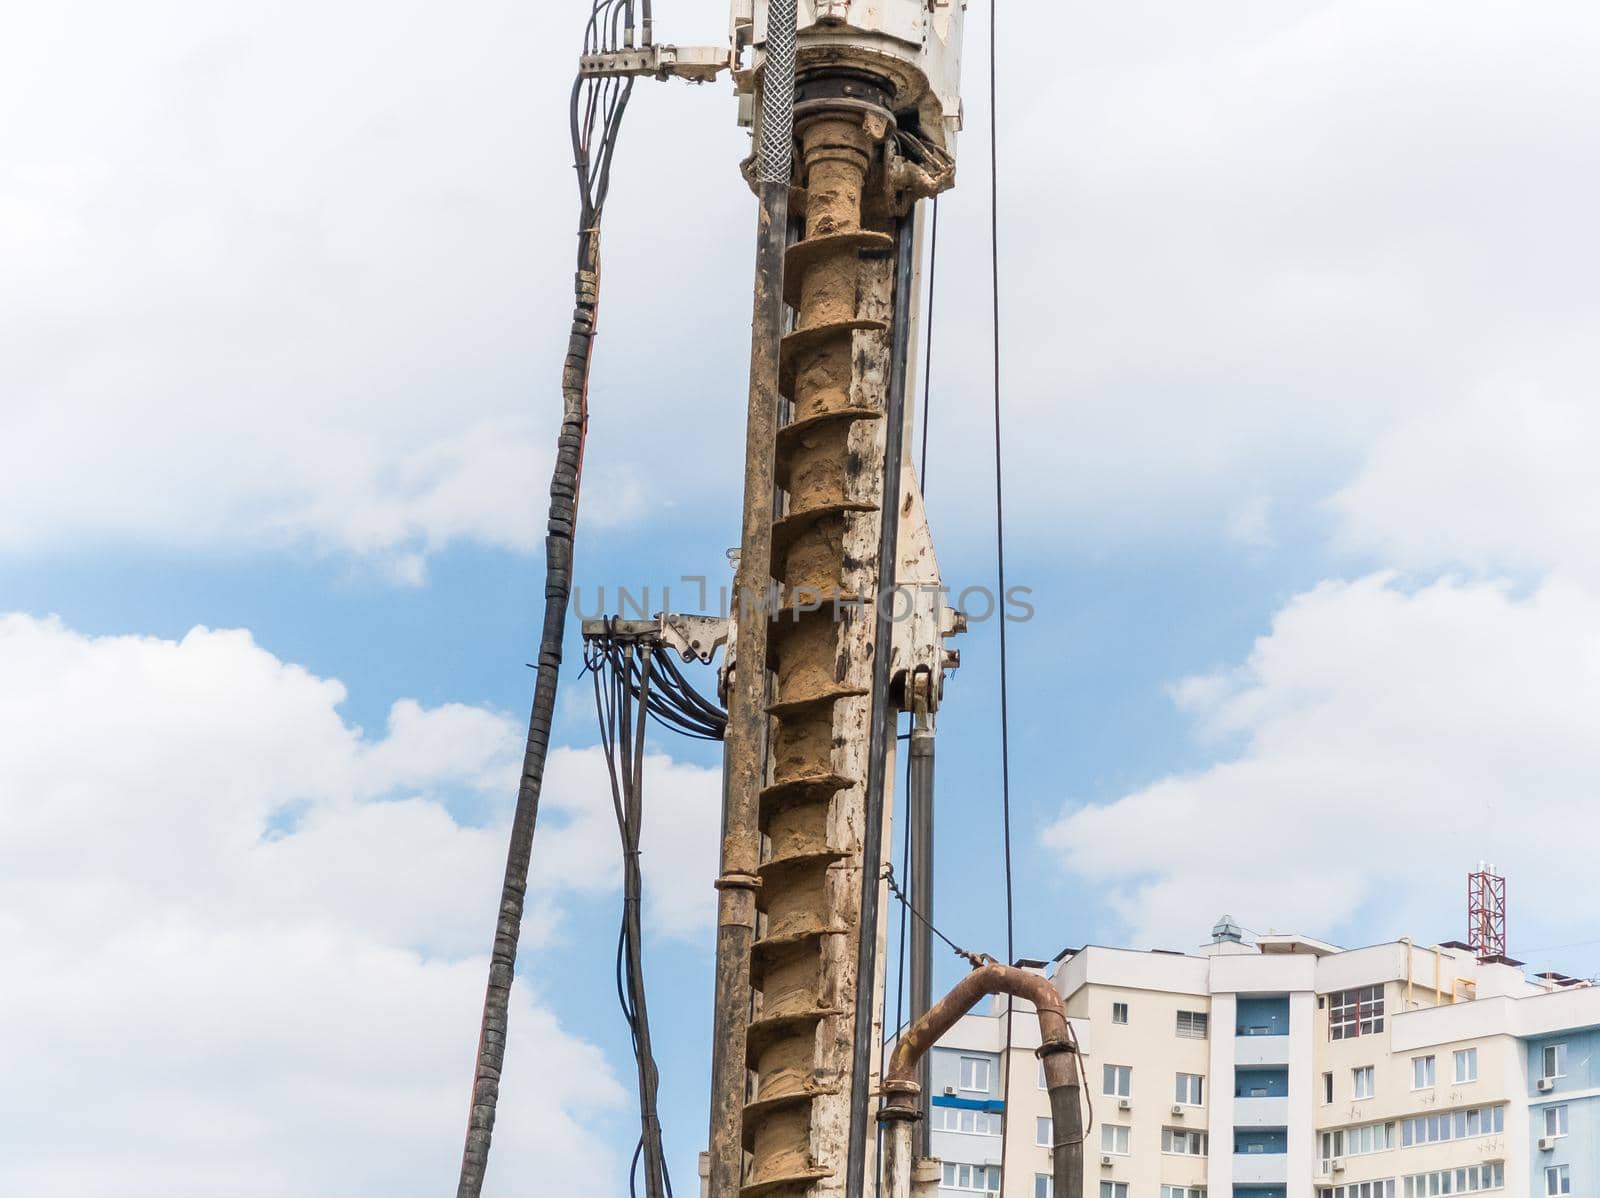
1227 928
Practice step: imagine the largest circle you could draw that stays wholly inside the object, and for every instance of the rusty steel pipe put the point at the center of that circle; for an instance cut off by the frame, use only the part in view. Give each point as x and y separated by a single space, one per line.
1058 1050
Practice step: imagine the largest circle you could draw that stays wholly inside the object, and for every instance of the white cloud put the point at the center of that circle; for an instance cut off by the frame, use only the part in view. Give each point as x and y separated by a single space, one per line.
298 274
1377 742
242 939
1239 252
292 275
1504 481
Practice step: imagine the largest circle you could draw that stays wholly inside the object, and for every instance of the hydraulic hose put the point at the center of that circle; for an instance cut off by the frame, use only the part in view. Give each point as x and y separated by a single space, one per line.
563 518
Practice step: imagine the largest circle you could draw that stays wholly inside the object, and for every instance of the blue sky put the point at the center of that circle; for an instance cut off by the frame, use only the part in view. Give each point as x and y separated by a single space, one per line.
1299 431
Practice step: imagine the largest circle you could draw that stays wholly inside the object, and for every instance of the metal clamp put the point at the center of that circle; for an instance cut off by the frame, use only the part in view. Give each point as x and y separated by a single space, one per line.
697 64
693 638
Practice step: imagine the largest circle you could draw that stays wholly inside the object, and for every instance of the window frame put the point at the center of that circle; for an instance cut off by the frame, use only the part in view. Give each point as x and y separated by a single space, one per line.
947 1114
951 1180
1113 1075
1557 1181
1110 1130
1425 1072
1469 1057
1357 1072
1119 1008
1327 1088
1199 1025
961 1074
1191 1094
1044 1131
1171 1135
1355 1012
1559 1053
1561 1120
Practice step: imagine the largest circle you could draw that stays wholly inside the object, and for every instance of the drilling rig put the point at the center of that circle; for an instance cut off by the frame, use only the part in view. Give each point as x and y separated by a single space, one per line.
839 624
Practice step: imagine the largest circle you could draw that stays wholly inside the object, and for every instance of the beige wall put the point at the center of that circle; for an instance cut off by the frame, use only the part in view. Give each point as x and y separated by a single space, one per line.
1150 1045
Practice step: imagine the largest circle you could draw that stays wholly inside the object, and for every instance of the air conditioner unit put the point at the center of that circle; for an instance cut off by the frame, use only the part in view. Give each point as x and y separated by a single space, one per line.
1546 1084
1177 1109
1106 1160
949 1089
1336 1165
1546 1143
1124 1104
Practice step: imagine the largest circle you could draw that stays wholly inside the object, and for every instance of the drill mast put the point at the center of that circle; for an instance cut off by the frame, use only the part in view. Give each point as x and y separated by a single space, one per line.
869 92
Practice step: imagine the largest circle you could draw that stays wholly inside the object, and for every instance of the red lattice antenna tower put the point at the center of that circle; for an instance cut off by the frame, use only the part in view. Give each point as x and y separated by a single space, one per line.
1486 912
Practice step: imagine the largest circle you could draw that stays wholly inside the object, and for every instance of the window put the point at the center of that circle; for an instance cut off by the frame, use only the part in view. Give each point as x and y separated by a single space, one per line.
1453 1125
1422 1073
1183 1192
1360 1189
1044 1186
1555 1060
1327 1087
1558 1180
971 1123
1119 1012
1353 1013
975 1073
1042 1086
1362 1082
1192 1024
1114 1138
1181 1142
1118 1081
1044 1132
1190 1090
1113 1189
1356 1141
982 1178
1457 1181
1555 1120
1467 1065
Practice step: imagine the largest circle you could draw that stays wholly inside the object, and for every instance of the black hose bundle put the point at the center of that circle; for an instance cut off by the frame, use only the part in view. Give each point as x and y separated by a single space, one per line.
622 700
596 115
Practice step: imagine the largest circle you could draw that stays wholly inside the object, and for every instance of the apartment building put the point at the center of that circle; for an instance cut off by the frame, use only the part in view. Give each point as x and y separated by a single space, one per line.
1286 1067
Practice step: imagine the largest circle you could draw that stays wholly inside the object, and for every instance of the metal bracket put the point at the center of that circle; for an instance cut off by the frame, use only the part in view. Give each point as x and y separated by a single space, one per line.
693 638
697 64
920 656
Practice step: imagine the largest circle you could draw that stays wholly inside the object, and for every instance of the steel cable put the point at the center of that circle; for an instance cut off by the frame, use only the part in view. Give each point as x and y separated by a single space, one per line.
1000 552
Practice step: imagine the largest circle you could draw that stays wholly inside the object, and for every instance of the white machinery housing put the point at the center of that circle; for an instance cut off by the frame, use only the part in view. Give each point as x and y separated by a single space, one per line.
915 45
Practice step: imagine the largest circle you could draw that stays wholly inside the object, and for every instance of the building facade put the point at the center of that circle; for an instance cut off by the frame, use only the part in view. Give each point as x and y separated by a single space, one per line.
1287 1068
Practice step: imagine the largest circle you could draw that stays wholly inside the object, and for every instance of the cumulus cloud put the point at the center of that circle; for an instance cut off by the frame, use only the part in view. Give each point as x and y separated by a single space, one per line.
297 274
1505 480
242 937
1241 249
1378 741
288 275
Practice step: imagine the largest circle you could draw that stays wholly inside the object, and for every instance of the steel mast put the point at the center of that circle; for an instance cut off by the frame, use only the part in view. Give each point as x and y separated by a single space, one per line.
855 106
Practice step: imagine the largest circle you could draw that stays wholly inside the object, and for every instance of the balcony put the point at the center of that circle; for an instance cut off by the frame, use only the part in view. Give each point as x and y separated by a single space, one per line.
1261 1168
1251 1051
1261 1112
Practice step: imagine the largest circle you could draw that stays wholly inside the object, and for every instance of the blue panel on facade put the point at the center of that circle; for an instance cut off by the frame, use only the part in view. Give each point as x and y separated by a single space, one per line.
969 1104
1261 1083
1259 1140
1259 1192
1262 1015
1564 1112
